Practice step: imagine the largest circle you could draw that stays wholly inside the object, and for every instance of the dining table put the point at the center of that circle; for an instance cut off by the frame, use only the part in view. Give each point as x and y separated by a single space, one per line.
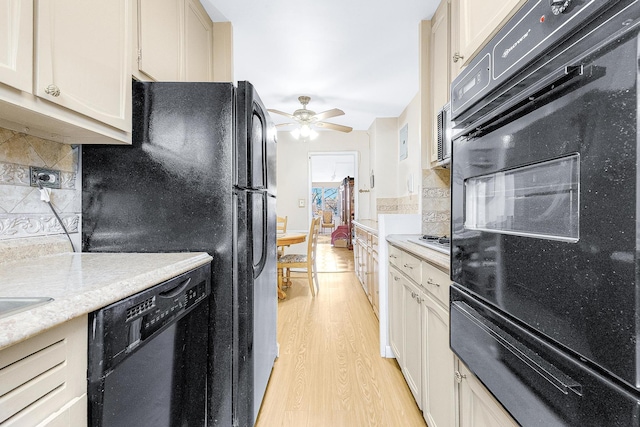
284 240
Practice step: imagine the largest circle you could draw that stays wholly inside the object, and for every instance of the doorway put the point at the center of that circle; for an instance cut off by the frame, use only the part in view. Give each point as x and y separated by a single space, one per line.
326 172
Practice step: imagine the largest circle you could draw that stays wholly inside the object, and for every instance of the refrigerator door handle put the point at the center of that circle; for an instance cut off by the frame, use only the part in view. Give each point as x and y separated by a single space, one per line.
257 268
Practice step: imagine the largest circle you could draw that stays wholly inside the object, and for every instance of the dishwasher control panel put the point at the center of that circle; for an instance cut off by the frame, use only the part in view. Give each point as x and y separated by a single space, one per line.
117 330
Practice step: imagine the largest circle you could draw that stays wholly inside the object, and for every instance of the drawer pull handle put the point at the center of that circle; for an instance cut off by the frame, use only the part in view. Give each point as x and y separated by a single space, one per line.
52 90
432 283
457 57
459 377
393 256
408 266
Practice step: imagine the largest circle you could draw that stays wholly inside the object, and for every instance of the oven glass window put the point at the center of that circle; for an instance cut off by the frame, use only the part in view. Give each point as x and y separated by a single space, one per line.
538 200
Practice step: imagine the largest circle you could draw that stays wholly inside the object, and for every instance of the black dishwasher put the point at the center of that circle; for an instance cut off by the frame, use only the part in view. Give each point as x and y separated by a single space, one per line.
148 356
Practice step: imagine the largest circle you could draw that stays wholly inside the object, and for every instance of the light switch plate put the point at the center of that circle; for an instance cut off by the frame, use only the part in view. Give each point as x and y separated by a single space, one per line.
301 203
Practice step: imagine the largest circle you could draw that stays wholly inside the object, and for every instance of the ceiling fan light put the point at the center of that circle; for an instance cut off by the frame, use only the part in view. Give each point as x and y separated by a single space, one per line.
296 133
313 134
305 131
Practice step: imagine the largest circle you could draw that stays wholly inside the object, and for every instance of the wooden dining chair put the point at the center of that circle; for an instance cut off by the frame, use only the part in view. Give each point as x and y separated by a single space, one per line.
281 227
308 260
282 224
327 220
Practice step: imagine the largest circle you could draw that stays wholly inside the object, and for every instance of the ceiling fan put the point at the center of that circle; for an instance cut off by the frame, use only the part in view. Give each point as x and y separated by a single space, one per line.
306 119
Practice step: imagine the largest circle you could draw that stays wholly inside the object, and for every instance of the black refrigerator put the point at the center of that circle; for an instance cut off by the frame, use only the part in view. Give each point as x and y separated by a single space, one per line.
200 175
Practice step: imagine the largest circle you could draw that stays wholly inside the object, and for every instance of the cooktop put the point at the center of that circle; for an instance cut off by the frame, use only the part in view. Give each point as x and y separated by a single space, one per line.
437 243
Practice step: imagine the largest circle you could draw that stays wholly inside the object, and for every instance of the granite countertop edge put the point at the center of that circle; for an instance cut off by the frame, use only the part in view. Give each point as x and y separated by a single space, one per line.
434 257
87 290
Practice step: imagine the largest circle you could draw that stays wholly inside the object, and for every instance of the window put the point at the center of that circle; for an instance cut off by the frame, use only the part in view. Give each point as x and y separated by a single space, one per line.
324 198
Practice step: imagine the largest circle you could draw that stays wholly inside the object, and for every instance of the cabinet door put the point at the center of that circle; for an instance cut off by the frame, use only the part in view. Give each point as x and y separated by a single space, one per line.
198 43
83 58
396 326
16 44
478 21
412 367
375 277
160 30
478 408
440 60
439 366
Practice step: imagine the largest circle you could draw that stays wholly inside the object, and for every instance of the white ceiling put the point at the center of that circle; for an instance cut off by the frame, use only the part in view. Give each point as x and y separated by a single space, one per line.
357 55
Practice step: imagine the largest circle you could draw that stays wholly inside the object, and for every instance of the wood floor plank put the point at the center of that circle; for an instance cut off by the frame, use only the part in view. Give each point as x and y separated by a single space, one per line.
330 373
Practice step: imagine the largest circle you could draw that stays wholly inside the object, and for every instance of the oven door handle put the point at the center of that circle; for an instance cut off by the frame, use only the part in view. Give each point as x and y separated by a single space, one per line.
554 82
542 367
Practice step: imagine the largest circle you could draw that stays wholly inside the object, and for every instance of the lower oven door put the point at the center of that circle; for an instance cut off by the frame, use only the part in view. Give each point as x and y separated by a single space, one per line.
545 204
538 385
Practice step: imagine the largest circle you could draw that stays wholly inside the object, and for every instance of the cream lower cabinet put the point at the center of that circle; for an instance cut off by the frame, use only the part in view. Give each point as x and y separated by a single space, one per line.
448 394
43 380
374 275
406 329
478 408
438 366
365 256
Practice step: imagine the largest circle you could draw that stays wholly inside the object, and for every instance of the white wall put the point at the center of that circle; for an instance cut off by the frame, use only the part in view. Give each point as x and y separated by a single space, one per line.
391 173
411 166
293 171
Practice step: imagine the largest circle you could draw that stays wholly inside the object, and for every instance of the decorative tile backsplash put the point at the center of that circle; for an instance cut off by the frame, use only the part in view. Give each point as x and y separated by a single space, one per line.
436 202
22 213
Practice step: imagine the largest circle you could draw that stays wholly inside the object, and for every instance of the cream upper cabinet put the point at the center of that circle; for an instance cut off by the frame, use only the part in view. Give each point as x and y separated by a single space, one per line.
476 22
160 29
477 407
439 49
82 60
174 41
198 43
16 44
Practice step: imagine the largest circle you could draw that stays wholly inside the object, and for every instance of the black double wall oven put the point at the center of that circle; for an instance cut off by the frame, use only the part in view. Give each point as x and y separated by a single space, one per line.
545 305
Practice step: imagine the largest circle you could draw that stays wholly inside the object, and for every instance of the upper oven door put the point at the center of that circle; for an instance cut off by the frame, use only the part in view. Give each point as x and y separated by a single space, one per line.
545 209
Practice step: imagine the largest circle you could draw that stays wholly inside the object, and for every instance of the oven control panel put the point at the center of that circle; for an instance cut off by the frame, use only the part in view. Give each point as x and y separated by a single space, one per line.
535 29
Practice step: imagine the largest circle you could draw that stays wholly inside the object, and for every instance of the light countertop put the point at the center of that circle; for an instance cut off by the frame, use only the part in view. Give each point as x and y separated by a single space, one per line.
434 257
369 225
80 283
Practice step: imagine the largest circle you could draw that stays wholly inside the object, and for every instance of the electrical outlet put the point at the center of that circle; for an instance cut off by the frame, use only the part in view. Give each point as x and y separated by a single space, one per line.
48 177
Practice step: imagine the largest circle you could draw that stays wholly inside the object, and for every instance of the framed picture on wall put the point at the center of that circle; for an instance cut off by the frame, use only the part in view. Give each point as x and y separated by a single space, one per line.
404 134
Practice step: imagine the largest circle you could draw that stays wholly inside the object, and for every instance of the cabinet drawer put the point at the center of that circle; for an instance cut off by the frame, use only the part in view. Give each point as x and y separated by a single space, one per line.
412 267
395 256
436 282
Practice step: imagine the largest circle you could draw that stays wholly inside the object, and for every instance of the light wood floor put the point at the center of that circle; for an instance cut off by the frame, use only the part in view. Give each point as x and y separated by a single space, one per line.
330 372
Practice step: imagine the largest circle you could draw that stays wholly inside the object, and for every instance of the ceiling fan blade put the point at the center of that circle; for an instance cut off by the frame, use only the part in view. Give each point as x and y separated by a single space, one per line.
279 125
334 126
328 114
291 116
